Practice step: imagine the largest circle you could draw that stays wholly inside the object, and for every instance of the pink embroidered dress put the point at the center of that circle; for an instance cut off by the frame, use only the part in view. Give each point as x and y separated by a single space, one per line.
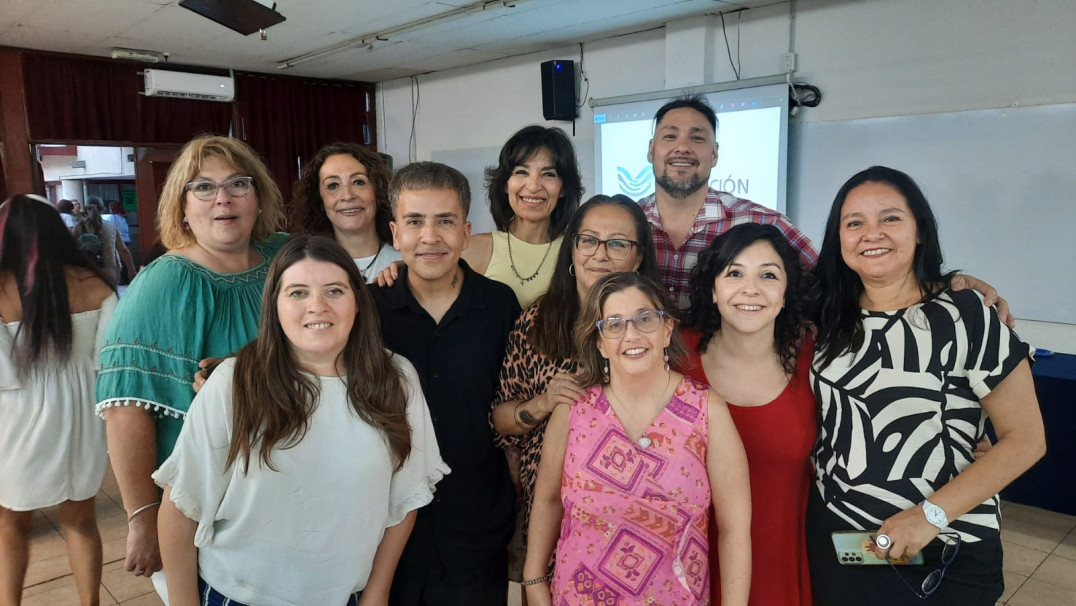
635 519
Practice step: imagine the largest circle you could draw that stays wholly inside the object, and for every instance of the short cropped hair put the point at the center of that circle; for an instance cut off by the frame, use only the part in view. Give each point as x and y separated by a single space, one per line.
430 175
695 102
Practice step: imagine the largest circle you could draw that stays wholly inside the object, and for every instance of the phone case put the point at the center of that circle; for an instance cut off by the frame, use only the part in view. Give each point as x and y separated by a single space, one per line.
856 548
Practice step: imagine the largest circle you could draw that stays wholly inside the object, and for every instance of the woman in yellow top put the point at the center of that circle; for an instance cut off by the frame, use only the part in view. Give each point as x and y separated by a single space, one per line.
533 191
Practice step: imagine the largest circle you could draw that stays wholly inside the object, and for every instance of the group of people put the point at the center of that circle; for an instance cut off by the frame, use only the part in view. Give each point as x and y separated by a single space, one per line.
694 406
103 237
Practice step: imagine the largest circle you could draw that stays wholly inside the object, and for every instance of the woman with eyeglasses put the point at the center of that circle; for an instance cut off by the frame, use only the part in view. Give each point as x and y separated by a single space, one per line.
751 340
343 192
606 235
906 372
217 217
630 469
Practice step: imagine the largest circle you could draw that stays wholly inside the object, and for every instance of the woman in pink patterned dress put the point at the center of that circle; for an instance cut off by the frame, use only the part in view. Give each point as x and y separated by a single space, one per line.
629 471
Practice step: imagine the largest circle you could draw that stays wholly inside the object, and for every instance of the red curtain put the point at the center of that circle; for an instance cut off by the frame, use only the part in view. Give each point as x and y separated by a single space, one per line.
287 120
88 100
78 100
173 121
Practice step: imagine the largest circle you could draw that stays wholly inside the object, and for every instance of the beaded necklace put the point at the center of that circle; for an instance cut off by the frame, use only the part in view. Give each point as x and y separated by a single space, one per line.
512 261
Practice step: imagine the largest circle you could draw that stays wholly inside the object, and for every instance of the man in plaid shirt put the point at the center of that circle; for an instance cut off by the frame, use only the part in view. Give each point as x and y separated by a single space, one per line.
685 214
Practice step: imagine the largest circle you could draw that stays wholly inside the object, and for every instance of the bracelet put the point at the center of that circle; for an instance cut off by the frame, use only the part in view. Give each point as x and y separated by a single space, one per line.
141 509
536 581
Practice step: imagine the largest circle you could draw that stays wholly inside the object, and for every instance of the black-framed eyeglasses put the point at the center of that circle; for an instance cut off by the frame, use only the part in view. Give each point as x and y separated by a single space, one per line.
647 321
616 248
933 580
205 189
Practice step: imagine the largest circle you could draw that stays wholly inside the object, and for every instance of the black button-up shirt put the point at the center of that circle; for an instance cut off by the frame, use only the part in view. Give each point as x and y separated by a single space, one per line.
458 359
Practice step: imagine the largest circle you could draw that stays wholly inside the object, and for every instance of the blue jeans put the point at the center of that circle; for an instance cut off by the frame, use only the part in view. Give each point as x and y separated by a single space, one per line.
212 597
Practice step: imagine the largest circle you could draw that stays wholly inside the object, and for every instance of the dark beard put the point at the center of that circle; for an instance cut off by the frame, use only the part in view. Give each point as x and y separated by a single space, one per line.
680 189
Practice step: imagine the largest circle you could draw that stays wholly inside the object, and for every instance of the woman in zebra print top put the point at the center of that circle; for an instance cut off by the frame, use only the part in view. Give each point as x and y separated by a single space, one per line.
906 371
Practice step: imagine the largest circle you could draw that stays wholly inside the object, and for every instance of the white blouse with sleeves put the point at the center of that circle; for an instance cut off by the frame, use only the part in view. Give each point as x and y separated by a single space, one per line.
307 532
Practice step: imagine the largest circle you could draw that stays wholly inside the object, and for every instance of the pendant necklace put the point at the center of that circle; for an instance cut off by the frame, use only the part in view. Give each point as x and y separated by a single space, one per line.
512 261
644 440
372 261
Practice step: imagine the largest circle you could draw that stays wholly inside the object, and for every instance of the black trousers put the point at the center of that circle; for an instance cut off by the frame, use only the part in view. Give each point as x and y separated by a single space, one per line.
421 580
974 578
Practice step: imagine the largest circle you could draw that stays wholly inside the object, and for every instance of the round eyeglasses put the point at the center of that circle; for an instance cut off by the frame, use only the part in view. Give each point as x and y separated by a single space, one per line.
934 579
205 189
645 321
616 248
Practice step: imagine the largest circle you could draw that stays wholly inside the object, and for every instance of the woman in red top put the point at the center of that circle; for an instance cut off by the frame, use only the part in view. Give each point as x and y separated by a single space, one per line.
749 338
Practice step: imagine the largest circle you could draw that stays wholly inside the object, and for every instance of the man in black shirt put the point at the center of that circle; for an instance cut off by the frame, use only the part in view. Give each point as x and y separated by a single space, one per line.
452 324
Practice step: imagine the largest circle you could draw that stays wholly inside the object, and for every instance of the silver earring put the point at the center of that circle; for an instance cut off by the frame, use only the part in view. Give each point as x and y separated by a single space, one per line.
605 369
571 269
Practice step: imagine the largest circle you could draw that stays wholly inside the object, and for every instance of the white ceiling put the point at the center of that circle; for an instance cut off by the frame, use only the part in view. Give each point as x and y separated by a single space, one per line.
93 27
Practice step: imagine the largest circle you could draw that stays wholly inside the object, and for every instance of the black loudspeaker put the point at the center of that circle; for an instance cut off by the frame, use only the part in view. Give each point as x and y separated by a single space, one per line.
558 90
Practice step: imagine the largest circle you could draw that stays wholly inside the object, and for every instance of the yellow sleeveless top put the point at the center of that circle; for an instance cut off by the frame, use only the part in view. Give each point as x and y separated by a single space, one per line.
533 265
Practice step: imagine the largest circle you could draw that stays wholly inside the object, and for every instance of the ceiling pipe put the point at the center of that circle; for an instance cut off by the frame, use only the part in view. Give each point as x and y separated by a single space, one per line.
368 40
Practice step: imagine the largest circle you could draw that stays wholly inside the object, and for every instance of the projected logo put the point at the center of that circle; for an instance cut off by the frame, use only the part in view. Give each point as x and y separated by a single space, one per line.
636 186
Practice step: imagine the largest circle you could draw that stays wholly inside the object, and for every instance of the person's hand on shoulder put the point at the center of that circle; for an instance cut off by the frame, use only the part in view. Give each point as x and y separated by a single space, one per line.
388 276
989 293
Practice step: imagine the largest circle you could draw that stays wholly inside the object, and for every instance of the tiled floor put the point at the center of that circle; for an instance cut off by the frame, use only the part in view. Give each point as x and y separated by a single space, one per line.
1040 559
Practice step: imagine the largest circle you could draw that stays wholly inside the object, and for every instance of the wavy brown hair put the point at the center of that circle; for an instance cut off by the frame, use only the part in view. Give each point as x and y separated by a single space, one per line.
586 331
308 209
273 399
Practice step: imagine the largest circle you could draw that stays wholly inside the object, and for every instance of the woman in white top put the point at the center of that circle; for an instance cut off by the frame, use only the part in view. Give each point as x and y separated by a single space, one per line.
302 461
54 306
343 192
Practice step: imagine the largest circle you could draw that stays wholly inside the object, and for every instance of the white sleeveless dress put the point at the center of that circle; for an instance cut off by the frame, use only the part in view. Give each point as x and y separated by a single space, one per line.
52 444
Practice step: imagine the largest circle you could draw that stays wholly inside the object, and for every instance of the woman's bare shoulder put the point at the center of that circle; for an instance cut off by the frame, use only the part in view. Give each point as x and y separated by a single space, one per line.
478 252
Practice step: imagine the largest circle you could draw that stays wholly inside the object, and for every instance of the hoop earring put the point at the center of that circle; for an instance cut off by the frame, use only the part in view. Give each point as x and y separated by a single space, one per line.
571 269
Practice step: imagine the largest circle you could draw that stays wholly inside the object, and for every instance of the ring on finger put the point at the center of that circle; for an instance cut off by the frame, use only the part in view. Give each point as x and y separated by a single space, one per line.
883 541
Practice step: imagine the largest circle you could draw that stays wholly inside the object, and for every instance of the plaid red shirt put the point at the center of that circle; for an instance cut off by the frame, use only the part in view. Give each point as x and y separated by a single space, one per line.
720 212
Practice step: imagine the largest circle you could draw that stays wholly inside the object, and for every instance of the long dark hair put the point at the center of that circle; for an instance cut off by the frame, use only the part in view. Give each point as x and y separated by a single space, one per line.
89 221
585 331
273 398
308 210
551 332
840 328
520 146
36 247
792 321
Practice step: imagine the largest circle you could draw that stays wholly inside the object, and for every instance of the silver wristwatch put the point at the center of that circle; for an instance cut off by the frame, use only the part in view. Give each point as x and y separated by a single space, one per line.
935 515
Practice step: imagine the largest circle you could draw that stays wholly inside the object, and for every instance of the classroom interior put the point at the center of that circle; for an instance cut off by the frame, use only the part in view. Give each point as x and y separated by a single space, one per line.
873 60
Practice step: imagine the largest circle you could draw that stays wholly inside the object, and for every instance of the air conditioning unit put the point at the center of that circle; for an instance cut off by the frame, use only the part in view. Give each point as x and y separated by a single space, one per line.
183 85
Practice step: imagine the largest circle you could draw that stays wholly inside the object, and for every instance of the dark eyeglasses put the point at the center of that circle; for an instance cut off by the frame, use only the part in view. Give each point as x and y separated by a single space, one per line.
207 190
934 579
616 248
645 321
